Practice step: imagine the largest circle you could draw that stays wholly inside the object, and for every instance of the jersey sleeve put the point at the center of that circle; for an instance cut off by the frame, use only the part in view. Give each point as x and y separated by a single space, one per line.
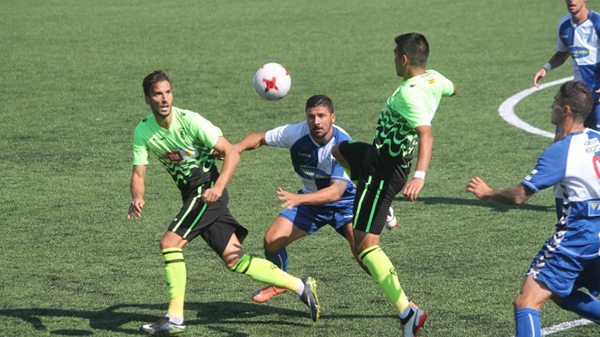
203 130
447 86
274 137
284 136
560 45
550 168
140 150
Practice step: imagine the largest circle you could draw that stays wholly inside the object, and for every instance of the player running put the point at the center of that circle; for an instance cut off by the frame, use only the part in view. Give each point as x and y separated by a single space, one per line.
578 37
570 258
328 194
183 141
382 168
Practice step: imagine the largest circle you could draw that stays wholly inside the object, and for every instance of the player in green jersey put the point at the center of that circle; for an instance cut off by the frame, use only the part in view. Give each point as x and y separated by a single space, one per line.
382 168
184 141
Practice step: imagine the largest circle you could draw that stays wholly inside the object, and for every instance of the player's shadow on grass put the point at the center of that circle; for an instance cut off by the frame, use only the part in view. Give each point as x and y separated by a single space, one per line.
478 202
212 315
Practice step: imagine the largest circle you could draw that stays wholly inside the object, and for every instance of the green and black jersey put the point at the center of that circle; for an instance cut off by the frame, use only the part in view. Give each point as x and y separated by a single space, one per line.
184 149
413 104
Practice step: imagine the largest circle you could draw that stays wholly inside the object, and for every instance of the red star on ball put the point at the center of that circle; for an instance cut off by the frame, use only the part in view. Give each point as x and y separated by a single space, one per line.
270 84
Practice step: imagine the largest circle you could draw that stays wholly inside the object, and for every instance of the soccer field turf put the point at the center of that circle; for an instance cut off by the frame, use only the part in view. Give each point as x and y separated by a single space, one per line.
71 74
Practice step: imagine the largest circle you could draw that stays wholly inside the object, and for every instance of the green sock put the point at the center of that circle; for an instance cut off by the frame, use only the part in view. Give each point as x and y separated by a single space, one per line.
384 274
175 276
265 271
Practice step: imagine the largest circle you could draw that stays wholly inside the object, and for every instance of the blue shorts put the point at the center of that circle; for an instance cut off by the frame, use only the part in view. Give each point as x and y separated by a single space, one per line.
570 259
311 218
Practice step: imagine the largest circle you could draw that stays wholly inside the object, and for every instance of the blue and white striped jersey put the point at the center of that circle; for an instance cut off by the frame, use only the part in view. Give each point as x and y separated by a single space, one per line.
583 44
314 163
573 165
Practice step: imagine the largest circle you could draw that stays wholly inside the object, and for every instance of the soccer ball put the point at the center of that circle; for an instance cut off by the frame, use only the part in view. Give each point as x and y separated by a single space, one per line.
272 81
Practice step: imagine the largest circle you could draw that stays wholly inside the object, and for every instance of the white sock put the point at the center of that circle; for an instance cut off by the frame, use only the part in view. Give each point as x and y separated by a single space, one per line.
175 320
300 287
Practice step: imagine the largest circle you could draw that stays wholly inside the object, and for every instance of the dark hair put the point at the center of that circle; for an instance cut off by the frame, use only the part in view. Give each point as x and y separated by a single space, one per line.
415 47
152 78
578 96
319 100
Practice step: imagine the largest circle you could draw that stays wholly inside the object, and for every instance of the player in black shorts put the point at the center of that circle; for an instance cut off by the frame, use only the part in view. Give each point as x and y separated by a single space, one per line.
183 141
382 167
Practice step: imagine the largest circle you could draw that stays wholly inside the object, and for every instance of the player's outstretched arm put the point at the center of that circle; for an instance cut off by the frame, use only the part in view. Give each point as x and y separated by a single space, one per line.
514 195
323 196
231 158
137 191
555 61
414 186
251 142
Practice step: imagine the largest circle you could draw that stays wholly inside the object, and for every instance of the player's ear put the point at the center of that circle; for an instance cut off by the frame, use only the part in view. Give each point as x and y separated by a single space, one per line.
405 60
333 117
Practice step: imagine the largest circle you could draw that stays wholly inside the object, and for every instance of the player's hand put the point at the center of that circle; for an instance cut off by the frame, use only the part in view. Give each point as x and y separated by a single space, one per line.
598 91
478 187
212 195
135 209
412 188
218 155
290 200
538 76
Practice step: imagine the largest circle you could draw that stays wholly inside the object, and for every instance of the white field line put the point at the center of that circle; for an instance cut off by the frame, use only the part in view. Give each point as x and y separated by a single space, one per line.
564 326
507 113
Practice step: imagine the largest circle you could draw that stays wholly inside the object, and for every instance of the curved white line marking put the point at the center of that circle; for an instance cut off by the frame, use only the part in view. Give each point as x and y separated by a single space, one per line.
507 111
565 326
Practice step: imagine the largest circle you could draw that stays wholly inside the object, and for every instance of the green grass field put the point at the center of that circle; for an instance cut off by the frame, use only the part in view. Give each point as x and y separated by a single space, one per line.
70 81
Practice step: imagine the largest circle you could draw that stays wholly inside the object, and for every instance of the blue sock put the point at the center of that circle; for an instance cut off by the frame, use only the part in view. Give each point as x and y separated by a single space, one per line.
583 304
279 258
528 323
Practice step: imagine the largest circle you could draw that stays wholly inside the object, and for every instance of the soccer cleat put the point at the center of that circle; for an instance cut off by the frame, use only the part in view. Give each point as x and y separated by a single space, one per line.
267 293
390 221
413 323
163 327
309 297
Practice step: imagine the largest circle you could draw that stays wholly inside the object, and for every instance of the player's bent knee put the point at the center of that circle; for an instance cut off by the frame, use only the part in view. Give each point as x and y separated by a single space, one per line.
522 302
272 245
172 240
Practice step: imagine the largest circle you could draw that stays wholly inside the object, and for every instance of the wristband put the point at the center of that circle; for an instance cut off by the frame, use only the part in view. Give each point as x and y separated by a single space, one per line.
547 66
419 174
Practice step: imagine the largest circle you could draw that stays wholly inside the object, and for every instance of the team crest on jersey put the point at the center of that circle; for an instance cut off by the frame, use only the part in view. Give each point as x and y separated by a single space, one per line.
181 155
313 172
594 208
578 52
